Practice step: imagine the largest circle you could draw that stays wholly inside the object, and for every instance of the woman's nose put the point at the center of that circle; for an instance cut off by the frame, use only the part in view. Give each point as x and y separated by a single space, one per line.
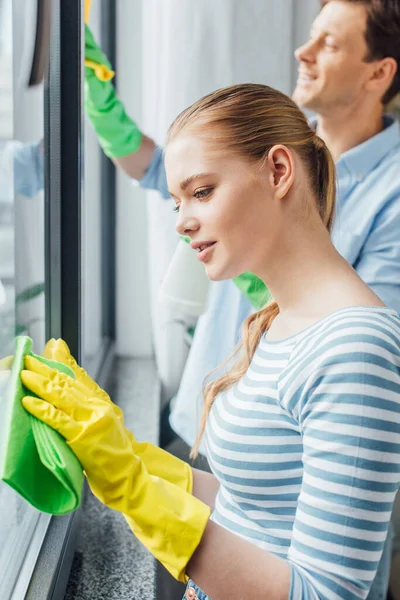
186 224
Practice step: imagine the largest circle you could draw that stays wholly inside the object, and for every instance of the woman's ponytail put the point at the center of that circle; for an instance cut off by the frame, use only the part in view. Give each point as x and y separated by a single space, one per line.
326 182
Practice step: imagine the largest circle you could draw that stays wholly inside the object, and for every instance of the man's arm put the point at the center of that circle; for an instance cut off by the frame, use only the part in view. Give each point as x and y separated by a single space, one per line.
28 168
136 163
118 134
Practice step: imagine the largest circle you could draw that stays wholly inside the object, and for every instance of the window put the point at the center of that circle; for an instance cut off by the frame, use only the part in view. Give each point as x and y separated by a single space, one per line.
22 299
56 249
98 224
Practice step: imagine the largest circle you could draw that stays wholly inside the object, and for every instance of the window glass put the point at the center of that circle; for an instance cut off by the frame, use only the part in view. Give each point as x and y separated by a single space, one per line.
95 251
22 306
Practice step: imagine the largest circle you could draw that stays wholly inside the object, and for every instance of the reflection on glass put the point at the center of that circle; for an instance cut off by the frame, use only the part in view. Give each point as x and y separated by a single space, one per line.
22 308
92 265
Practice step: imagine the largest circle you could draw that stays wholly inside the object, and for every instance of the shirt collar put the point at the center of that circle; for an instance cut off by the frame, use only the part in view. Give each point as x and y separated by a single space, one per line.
361 159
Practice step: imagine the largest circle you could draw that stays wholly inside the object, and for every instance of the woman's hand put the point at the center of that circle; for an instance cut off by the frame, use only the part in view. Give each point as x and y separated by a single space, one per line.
58 350
91 425
157 461
169 521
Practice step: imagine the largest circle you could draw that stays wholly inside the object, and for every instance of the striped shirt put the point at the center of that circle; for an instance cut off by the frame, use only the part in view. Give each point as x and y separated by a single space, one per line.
306 447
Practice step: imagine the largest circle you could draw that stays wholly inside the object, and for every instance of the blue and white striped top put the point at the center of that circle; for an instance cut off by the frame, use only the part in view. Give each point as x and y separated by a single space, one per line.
307 450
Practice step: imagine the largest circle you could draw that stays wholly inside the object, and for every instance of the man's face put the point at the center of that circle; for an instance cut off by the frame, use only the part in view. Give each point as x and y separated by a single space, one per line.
332 69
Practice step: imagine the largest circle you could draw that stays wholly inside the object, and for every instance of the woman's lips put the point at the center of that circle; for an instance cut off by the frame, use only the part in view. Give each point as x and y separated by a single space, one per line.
204 254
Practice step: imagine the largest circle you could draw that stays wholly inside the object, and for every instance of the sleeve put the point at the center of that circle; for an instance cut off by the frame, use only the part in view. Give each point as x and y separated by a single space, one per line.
155 177
349 416
29 169
379 261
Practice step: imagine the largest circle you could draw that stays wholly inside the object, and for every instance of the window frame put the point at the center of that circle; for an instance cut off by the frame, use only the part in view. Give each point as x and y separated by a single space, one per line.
49 551
54 537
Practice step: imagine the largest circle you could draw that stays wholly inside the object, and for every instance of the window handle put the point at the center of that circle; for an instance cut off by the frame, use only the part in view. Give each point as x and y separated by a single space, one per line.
36 42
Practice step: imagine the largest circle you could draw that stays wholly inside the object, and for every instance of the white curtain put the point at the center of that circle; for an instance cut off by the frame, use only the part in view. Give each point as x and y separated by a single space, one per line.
189 49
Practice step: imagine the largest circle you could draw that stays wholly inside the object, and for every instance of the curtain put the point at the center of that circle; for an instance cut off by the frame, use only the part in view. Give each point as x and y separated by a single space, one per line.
190 49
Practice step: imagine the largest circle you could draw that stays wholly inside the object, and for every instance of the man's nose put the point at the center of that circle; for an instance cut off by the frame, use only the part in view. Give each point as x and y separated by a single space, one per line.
307 52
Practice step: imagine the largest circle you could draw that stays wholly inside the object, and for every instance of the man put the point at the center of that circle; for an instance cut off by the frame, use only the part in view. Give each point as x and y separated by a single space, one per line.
348 72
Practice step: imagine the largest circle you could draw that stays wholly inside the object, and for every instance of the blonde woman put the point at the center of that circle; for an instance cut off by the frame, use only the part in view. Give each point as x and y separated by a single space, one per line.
302 432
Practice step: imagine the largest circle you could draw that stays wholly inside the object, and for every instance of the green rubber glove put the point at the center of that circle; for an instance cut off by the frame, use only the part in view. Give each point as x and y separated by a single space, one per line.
118 135
254 289
250 285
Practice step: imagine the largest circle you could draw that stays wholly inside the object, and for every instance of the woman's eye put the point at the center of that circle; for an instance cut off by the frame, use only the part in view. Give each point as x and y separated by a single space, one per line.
176 208
331 45
201 194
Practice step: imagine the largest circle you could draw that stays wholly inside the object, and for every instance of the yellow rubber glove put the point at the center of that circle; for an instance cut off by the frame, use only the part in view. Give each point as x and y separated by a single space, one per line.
166 519
6 363
95 60
158 462
86 10
5 371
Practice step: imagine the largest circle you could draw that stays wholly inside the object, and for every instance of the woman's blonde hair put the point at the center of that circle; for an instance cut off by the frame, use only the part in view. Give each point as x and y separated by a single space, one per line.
248 120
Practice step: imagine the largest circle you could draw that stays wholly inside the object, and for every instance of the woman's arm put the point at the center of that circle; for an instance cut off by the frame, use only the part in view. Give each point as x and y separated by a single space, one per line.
205 487
227 566
349 419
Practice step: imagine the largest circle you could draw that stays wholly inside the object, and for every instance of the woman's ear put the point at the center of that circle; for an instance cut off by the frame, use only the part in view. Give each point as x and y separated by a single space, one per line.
281 168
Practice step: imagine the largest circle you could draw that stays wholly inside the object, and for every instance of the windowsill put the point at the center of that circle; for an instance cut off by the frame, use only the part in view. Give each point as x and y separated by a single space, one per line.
109 562
52 569
31 557
20 544
48 559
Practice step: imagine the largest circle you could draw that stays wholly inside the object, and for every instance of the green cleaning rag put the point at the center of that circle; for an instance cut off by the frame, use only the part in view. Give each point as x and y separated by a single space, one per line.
35 460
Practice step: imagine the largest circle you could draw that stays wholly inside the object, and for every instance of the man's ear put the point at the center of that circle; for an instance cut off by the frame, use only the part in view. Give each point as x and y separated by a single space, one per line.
382 75
281 169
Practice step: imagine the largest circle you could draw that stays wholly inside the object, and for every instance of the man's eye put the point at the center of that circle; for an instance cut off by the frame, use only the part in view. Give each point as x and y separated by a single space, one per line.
201 194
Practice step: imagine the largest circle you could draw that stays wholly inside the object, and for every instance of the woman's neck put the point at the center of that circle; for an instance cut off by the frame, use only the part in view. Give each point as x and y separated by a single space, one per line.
309 279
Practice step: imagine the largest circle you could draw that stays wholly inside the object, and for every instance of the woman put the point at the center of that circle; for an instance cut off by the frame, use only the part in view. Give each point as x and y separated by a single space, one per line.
303 431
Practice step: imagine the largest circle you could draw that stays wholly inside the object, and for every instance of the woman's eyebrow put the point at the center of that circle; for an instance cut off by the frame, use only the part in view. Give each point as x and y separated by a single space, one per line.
189 180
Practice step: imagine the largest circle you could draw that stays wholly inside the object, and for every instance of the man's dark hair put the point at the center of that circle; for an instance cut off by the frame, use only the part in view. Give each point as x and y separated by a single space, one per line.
382 35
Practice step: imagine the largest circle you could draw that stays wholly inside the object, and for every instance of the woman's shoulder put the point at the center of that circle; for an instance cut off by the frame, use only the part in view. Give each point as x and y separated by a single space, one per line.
361 336
352 325
348 352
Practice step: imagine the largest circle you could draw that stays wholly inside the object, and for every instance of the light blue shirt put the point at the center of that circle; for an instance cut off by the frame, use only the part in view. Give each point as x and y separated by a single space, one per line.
367 226
27 162
366 233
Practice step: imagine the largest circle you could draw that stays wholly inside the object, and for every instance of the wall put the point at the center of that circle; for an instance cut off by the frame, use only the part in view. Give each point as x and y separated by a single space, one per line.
133 300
